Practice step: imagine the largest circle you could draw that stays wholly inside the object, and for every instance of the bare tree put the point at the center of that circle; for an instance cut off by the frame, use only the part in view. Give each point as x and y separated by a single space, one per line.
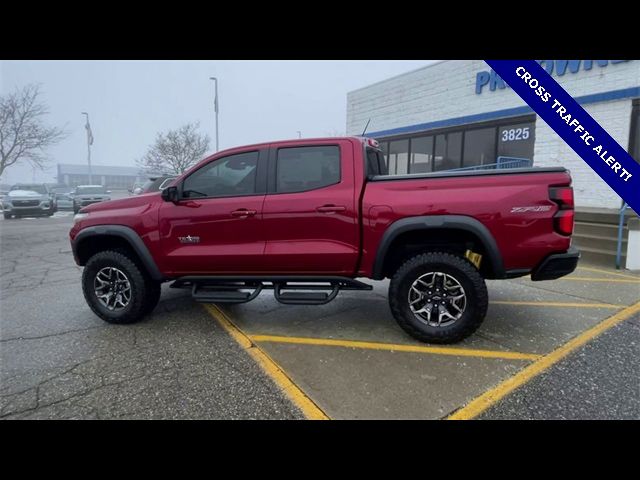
23 135
176 150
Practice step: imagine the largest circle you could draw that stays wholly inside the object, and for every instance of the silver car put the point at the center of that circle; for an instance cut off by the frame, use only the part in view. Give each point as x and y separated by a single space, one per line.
29 200
85 195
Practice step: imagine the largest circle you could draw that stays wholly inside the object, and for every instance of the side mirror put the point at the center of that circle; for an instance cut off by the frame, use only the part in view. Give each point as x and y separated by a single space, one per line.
170 194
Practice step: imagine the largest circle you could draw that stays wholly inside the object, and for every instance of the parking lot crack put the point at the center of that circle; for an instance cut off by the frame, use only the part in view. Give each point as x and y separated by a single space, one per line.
58 334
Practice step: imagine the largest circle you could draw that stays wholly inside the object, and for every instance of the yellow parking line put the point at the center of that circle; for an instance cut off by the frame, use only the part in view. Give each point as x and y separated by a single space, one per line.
598 270
491 397
558 304
463 352
590 279
271 368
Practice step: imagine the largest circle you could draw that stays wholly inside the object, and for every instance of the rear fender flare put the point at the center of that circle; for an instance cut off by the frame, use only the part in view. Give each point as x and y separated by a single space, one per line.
429 222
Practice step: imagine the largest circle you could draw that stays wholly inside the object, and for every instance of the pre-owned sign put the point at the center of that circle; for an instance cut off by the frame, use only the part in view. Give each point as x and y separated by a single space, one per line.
552 67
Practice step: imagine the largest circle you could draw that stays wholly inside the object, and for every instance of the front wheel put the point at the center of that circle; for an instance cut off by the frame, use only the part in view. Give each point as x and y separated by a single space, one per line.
7 216
438 297
116 289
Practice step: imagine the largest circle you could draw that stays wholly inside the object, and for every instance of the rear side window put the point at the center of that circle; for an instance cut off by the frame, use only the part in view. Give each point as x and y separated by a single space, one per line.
299 169
376 164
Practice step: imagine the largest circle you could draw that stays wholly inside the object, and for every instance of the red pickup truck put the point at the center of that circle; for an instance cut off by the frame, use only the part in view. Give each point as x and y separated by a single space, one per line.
306 218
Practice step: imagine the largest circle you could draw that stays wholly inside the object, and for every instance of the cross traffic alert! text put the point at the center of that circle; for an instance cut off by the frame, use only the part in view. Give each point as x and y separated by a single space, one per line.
545 96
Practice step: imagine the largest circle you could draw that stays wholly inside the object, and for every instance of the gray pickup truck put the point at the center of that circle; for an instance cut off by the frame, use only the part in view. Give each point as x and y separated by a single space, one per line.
28 200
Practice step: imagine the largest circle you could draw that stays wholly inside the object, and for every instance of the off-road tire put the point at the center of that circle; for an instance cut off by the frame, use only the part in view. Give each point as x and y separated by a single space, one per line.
464 272
144 291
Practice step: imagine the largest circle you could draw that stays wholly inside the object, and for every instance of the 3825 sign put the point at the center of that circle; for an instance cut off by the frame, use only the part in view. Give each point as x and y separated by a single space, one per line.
515 134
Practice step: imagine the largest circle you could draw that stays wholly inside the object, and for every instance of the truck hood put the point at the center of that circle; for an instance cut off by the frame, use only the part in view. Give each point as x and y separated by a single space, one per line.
129 202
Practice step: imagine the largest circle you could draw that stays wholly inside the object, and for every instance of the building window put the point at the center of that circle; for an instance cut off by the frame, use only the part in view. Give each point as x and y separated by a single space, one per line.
448 151
516 140
634 143
398 157
461 147
480 147
421 155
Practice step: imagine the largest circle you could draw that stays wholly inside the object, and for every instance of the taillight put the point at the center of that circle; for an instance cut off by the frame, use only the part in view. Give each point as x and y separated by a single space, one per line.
563 196
563 219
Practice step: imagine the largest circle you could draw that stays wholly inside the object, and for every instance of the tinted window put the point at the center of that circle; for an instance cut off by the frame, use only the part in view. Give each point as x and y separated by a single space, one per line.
421 155
480 147
376 164
516 140
230 176
305 168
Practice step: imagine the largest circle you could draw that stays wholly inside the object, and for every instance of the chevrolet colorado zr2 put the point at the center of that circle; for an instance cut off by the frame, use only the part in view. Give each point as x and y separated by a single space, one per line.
308 218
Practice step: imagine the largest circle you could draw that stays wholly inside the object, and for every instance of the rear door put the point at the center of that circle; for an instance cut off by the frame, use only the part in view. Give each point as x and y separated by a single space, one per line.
310 213
216 226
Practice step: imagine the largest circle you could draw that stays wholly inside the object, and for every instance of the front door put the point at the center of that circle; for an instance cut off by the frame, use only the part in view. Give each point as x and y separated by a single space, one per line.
216 226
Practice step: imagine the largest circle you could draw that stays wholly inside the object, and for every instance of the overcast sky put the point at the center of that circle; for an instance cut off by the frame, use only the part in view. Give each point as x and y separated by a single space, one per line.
130 101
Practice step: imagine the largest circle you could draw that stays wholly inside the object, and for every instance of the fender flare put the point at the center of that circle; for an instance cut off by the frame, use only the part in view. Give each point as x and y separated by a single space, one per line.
429 222
128 234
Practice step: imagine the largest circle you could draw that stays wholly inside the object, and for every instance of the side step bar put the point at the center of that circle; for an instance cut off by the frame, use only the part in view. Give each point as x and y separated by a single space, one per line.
290 290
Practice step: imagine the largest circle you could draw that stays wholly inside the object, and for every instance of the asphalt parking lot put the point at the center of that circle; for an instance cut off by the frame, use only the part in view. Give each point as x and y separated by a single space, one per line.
563 349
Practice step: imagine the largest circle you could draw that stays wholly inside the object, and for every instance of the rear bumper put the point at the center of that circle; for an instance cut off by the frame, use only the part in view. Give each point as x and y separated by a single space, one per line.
556 265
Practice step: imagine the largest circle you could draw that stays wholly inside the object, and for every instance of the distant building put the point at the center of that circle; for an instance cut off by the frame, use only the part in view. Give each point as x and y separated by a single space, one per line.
113 177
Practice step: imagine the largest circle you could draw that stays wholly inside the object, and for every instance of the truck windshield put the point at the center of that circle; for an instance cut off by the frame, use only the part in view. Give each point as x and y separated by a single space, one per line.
89 190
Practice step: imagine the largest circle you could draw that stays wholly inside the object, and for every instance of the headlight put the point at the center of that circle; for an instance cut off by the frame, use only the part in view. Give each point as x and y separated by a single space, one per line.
79 216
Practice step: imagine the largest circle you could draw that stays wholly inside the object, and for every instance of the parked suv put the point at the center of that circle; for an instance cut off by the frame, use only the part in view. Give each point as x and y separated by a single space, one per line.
155 184
85 195
29 200
308 218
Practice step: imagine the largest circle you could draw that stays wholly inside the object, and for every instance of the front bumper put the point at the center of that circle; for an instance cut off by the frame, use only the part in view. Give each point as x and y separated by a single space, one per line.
556 265
31 210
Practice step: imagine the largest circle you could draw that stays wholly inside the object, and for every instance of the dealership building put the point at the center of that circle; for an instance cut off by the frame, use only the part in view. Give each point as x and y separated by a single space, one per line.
110 176
460 114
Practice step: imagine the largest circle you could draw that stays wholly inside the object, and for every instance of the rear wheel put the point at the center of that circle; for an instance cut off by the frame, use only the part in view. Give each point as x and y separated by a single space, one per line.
438 297
116 289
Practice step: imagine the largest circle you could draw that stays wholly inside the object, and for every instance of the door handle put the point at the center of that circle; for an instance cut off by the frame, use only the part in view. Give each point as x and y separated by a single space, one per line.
243 212
331 208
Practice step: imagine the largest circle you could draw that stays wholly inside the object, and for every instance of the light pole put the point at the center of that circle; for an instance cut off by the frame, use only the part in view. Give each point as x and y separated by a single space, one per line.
89 143
215 107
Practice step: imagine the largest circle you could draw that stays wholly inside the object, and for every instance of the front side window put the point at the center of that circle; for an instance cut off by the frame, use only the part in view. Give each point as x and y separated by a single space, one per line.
230 176
299 169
